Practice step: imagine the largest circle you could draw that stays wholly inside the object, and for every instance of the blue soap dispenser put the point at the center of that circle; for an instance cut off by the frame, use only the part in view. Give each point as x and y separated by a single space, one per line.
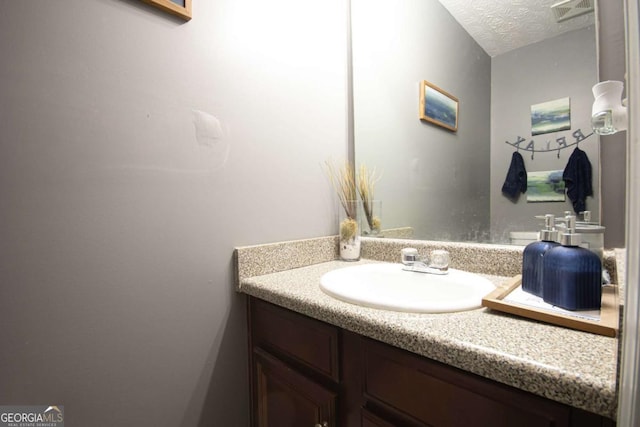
572 275
532 268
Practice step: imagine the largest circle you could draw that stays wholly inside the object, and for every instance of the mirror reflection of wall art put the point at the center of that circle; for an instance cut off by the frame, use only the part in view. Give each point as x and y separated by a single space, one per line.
551 116
181 8
438 107
545 186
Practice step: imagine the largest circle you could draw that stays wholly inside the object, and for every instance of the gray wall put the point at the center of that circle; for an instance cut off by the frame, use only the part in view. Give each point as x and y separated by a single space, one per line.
564 66
432 179
119 216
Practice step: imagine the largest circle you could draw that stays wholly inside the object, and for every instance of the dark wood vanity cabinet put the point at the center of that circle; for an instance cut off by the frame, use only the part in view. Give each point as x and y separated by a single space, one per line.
295 373
308 373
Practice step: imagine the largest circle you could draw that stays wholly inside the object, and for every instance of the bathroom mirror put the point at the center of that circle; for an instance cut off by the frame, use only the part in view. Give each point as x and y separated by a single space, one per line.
446 185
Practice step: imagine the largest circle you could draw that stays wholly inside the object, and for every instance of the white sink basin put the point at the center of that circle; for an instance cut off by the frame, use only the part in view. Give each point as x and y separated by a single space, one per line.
388 287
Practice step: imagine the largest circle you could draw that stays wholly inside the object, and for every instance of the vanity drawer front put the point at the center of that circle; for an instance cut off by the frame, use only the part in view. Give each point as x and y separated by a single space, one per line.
404 384
305 341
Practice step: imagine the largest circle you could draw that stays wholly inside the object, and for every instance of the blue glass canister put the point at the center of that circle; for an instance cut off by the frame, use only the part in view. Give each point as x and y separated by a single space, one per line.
532 267
572 275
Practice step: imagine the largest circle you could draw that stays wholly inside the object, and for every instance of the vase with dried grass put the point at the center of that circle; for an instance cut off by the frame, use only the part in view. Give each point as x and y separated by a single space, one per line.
343 181
371 208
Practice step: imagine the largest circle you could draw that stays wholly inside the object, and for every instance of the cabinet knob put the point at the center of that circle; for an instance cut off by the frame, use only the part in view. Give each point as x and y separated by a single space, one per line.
324 424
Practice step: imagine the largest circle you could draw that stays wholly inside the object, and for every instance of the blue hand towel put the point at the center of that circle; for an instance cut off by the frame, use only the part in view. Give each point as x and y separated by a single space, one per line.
516 180
577 179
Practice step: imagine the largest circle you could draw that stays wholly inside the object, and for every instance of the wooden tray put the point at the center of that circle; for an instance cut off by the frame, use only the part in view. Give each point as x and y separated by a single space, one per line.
609 312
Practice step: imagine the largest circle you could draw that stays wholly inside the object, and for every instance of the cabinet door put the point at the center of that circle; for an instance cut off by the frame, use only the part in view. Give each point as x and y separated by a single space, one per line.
285 398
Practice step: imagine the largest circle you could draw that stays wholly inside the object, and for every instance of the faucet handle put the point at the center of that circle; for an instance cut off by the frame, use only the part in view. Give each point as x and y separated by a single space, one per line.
440 259
410 256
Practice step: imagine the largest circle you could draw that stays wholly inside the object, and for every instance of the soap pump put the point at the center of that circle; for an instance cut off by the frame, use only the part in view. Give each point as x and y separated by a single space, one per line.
532 268
572 275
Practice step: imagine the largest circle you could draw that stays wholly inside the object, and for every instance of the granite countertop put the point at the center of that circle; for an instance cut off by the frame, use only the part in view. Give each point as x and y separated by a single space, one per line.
572 367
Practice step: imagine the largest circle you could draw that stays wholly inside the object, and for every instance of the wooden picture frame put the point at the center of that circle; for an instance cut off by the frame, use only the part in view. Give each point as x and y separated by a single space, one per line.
180 8
438 106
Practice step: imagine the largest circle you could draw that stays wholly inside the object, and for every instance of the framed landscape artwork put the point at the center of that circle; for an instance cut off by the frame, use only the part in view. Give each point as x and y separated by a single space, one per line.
180 8
438 106
545 186
551 116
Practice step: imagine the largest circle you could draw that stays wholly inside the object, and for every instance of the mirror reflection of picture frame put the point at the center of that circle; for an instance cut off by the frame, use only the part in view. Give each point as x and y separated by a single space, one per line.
551 116
438 106
180 8
545 186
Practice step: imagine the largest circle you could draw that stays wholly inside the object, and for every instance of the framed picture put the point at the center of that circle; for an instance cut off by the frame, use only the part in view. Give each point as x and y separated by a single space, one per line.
545 186
181 8
438 107
551 116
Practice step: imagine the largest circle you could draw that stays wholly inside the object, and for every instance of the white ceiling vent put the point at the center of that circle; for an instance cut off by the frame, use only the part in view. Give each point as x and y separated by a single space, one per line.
568 9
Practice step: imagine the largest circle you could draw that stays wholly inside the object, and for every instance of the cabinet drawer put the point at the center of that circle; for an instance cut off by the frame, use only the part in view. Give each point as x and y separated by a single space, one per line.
432 393
295 337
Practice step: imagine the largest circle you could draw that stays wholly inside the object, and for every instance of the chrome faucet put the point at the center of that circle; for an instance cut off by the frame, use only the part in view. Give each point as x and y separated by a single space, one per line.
439 263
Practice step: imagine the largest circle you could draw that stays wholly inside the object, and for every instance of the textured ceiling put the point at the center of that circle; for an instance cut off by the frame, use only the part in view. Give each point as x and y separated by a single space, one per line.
503 25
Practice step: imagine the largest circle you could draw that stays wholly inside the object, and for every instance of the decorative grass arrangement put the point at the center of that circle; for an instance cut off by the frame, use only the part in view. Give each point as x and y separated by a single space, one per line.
344 183
366 184
347 187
